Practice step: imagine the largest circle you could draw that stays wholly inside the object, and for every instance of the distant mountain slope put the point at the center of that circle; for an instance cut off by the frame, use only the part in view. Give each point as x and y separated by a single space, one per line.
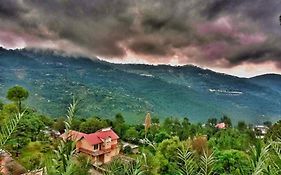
272 81
133 90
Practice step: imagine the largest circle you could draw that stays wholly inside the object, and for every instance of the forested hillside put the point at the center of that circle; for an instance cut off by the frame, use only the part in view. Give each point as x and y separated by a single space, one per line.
107 89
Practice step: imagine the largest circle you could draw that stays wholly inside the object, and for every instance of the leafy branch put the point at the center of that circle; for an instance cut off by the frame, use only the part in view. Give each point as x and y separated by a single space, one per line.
63 164
8 129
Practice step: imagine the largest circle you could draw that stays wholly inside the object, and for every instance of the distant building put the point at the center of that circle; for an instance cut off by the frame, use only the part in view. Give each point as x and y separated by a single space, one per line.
51 132
260 131
221 125
102 145
134 148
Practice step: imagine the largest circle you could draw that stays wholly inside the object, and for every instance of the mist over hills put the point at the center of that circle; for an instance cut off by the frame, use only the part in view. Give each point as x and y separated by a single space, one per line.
134 89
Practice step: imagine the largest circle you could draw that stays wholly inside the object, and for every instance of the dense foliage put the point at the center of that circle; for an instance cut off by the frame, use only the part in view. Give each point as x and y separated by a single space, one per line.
167 147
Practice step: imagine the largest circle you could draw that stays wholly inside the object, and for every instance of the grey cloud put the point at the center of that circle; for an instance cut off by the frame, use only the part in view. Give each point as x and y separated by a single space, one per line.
11 9
258 54
152 28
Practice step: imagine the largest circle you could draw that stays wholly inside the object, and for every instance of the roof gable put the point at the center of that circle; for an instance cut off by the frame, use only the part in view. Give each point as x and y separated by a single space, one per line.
94 138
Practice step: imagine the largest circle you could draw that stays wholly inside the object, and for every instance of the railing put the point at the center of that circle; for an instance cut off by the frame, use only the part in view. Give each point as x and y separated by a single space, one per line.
94 153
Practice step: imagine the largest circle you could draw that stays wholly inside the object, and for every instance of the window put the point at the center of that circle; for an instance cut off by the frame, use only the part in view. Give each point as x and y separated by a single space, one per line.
96 147
108 140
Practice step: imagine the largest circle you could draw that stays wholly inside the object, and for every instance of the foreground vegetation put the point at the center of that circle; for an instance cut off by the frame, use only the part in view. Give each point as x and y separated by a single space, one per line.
171 146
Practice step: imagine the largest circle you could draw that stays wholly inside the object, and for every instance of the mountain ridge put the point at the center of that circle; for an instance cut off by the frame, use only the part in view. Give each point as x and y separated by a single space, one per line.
134 89
78 56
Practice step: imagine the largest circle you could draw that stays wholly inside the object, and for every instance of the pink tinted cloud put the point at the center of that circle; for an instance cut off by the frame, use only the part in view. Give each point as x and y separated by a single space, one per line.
13 39
215 50
9 39
222 25
250 39
235 29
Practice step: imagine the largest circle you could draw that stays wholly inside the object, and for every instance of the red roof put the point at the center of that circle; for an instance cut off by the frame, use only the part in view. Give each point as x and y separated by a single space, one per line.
97 137
73 135
221 125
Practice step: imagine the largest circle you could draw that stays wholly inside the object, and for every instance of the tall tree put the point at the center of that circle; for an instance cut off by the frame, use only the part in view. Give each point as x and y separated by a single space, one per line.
225 119
241 126
17 94
212 122
274 131
92 125
119 125
1 105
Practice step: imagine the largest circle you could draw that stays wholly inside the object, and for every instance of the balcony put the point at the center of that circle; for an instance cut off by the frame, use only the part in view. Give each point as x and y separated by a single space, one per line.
95 152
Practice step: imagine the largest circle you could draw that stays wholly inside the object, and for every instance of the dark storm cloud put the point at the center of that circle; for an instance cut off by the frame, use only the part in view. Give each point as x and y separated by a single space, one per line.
10 9
149 48
257 54
220 33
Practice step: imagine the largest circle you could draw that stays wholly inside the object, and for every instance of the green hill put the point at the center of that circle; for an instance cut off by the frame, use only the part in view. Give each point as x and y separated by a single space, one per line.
133 90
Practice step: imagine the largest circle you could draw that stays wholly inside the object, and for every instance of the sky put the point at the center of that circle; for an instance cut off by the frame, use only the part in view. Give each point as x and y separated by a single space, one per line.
237 37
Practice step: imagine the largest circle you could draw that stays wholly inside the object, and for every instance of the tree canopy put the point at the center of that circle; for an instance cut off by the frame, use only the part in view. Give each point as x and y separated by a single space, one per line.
17 94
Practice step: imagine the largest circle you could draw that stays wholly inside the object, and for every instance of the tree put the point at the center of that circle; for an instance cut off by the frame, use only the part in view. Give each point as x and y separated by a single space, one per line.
159 137
131 134
76 124
185 131
1 105
212 122
166 154
172 126
155 120
242 126
28 130
231 162
274 131
200 145
231 139
119 119
119 125
9 128
92 125
59 124
185 122
225 119
30 127
267 123
17 94
32 155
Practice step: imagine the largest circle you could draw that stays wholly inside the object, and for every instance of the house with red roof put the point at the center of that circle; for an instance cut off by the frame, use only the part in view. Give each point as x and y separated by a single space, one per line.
102 145
221 125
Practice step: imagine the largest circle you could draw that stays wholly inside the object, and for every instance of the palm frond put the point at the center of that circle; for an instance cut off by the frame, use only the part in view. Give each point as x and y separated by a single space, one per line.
72 109
150 143
206 163
119 167
114 167
9 128
134 168
259 159
275 158
186 162
63 164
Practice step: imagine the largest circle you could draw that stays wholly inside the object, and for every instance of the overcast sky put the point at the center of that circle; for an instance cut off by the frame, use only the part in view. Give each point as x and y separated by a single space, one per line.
239 37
